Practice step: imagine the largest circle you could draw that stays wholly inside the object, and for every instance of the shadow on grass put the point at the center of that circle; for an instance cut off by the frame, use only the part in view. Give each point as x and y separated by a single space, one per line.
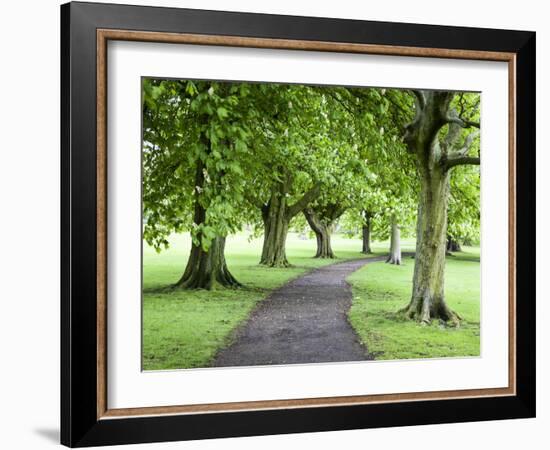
173 289
464 256
247 286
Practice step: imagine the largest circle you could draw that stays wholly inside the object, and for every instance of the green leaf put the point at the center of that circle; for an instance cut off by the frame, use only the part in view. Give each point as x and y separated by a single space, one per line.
222 112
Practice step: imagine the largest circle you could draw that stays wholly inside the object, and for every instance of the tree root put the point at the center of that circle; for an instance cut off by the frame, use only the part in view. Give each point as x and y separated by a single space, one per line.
393 260
425 309
325 256
221 279
282 264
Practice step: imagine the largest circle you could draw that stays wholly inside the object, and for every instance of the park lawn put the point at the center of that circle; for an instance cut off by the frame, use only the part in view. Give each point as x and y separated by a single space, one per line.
379 290
185 329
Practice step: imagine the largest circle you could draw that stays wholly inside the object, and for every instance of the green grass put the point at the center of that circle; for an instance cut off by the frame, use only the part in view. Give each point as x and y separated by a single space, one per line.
379 290
185 329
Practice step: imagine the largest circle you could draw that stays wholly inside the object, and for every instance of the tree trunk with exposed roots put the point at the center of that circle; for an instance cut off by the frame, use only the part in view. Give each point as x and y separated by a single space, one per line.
322 233
206 269
428 296
434 159
276 216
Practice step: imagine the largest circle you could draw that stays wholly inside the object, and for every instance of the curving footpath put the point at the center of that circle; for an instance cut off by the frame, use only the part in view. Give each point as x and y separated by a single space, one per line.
304 321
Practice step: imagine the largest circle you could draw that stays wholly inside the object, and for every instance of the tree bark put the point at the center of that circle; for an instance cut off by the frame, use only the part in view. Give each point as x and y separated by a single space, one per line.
366 234
205 269
276 222
322 233
428 298
453 245
276 215
395 243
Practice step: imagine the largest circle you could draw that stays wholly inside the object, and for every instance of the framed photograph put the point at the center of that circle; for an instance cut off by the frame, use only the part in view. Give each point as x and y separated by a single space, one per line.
276 224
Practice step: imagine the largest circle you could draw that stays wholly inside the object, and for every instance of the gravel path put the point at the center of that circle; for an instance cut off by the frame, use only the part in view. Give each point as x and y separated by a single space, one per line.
304 321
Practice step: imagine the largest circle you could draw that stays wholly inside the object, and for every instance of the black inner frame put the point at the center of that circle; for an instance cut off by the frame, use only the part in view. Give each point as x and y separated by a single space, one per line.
79 424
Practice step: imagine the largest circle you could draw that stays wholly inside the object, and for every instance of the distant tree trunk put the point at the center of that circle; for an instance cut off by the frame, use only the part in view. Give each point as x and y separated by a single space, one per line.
395 243
322 233
206 269
366 233
276 221
276 215
452 245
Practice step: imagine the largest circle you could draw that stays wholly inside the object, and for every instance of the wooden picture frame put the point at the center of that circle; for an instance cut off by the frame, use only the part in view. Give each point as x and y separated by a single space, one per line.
86 418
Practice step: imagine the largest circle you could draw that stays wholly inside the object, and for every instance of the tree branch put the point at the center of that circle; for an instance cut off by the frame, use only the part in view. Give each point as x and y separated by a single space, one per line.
460 157
313 220
461 160
462 122
420 97
304 201
457 118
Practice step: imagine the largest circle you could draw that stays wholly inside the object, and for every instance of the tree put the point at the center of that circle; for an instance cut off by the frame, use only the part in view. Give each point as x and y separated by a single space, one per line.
307 155
438 140
282 184
345 175
194 145
206 266
376 151
322 219
379 116
276 216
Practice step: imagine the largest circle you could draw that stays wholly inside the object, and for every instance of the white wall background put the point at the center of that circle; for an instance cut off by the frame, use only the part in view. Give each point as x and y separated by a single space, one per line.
29 224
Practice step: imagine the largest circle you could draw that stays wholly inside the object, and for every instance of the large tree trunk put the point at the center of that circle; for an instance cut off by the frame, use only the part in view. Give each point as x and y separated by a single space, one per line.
322 233
276 215
276 222
206 269
434 158
395 244
428 297
366 234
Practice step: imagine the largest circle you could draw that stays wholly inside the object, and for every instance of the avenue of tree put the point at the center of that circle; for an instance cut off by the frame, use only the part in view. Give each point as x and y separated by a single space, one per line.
219 156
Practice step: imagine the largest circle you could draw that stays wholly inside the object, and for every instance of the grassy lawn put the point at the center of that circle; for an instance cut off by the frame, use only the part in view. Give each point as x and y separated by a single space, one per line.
379 290
185 329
